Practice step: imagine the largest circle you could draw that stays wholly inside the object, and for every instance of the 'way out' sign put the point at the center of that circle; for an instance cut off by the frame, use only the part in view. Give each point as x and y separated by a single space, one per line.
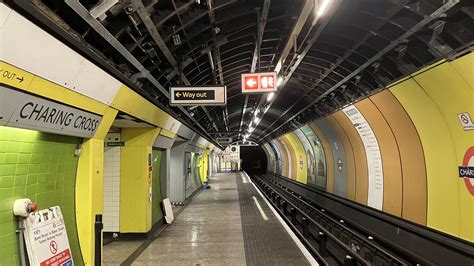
204 95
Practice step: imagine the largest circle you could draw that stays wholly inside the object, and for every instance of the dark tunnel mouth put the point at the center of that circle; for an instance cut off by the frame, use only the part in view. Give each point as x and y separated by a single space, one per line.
254 159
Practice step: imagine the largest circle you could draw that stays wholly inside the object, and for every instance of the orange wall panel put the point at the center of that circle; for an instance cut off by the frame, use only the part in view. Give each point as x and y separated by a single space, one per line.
392 170
414 206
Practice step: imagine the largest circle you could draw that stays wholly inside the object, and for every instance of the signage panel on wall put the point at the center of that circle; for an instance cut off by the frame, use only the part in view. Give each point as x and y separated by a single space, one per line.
46 238
466 171
372 152
203 96
259 82
18 109
466 121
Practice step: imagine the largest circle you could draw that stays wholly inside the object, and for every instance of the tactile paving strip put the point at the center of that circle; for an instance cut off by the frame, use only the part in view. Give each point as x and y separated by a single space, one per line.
266 242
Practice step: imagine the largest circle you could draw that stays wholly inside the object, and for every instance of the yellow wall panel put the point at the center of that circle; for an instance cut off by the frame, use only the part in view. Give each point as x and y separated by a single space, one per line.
132 103
14 76
301 159
167 133
203 164
452 94
465 68
44 88
443 188
135 179
90 186
60 94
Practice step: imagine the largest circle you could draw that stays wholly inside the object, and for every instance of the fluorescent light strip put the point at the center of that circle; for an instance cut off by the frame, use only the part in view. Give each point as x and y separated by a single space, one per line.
322 8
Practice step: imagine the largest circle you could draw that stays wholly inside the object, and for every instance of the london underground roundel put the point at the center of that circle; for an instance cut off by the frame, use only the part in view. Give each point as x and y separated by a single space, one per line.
466 171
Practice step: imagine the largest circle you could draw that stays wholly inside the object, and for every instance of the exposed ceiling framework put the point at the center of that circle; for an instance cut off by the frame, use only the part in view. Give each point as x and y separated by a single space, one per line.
355 49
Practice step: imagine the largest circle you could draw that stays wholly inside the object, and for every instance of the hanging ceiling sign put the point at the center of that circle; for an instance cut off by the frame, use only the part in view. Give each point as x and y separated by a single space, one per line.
259 82
203 95
22 110
224 141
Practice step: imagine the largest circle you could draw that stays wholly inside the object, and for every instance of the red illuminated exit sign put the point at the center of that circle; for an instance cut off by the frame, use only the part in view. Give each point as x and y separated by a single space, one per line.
259 82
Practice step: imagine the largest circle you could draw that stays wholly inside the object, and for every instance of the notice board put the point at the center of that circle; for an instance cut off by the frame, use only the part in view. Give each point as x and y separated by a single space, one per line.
46 238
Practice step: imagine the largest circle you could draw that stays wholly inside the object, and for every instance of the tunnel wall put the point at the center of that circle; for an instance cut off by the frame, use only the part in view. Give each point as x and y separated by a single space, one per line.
397 151
53 71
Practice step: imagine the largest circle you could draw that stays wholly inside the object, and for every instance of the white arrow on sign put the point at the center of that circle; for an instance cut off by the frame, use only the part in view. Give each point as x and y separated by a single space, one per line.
251 82
178 94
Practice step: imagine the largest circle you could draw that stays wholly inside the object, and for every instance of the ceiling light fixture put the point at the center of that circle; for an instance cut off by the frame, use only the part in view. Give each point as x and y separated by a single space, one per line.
279 81
270 96
321 8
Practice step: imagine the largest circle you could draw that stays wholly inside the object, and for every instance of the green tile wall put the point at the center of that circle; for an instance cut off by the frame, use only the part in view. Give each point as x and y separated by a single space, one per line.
41 167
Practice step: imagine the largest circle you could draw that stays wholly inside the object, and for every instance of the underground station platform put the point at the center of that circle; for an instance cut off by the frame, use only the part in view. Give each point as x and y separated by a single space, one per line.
236 132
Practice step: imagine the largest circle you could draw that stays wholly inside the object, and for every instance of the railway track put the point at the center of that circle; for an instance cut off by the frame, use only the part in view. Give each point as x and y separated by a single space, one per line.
331 240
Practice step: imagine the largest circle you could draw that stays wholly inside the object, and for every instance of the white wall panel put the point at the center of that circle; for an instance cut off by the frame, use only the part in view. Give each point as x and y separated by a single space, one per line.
28 47
4 12
172 125
372 152
111 216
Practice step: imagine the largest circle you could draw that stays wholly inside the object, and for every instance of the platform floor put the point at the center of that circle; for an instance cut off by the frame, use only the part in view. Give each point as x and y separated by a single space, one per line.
223 225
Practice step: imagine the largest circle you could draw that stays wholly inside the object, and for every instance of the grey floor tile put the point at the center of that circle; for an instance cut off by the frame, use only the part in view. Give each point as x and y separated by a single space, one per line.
221 226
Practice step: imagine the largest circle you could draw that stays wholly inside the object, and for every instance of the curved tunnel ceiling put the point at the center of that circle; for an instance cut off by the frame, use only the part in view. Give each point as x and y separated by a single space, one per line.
357 47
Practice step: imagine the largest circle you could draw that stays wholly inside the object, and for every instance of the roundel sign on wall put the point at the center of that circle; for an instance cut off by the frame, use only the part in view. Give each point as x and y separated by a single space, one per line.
339 164
466 171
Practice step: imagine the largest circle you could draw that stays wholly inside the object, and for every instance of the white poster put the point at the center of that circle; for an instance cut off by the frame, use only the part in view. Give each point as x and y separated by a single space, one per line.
46 238
372 152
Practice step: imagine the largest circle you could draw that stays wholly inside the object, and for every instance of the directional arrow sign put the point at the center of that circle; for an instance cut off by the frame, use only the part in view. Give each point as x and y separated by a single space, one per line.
251 83
259 82
14 76
202 95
